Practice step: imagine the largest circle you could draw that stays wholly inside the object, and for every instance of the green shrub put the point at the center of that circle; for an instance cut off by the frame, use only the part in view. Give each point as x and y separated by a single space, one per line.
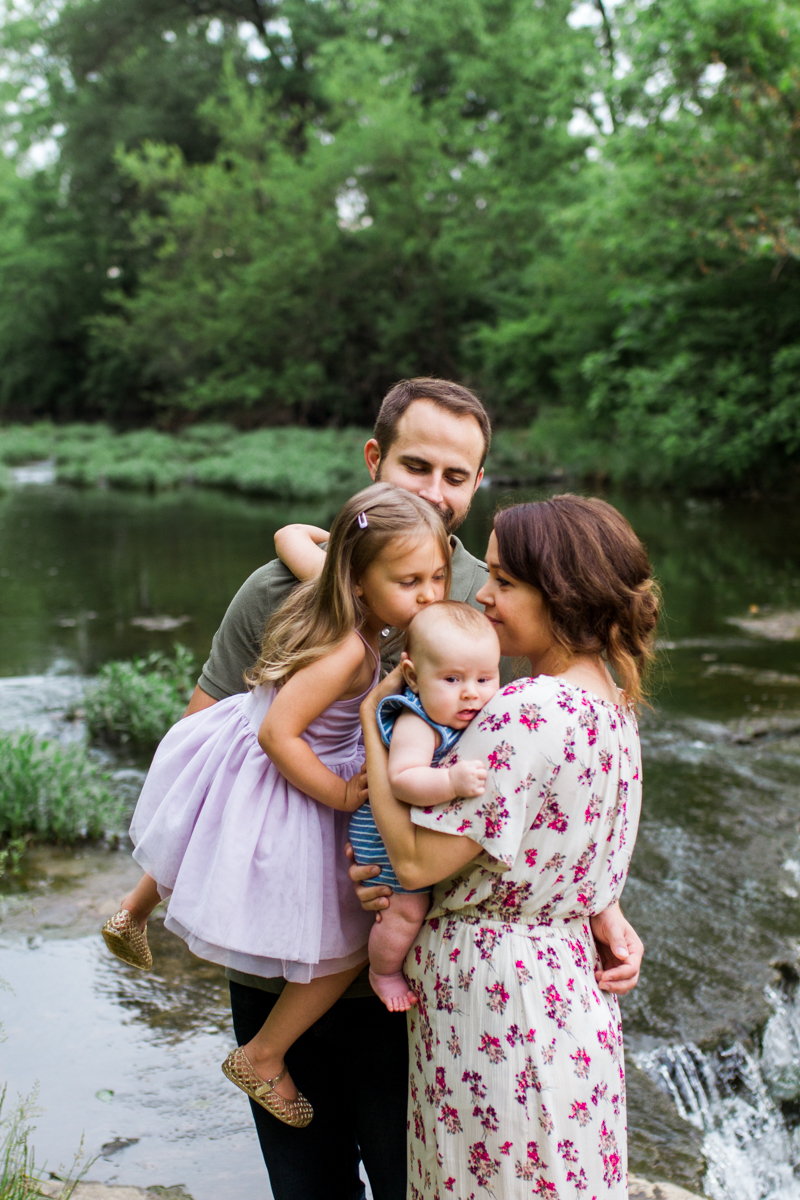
135 703
52 793
293 464
26 443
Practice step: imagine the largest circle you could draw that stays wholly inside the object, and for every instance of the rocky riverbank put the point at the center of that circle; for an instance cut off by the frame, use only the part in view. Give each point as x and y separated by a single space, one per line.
640 1189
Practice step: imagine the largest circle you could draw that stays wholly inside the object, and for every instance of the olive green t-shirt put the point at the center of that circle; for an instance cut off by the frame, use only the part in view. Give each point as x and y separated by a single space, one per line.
237 644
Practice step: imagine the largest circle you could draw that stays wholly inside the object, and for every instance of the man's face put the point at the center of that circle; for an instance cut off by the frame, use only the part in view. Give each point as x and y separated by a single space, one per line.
436 455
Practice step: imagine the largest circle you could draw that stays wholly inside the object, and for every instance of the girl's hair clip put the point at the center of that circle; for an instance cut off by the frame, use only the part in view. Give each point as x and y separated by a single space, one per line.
362 520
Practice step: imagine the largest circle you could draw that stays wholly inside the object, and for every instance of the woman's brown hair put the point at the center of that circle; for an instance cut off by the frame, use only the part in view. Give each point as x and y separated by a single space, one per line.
594 575
319 615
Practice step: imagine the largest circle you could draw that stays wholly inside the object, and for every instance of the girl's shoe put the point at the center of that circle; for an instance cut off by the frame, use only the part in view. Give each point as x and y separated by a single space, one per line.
125 939
238 1068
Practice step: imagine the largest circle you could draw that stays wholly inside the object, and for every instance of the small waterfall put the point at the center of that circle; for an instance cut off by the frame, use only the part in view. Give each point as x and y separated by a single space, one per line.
746 1105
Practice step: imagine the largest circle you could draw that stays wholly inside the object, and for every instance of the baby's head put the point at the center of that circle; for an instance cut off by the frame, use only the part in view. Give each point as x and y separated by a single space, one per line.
452 662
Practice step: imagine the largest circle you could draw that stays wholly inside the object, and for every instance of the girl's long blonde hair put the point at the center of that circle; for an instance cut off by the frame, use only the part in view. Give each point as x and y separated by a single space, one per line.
319 615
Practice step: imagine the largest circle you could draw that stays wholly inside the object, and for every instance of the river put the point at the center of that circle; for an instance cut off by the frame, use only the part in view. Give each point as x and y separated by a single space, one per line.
713 1035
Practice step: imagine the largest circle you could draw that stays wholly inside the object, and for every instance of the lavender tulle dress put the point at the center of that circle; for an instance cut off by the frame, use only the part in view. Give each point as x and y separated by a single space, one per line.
254 869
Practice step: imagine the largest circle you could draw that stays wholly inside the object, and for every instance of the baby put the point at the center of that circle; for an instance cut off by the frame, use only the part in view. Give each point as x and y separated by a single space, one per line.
451 668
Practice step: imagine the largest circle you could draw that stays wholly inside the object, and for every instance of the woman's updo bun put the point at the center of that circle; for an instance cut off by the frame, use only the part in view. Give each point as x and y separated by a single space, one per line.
595 577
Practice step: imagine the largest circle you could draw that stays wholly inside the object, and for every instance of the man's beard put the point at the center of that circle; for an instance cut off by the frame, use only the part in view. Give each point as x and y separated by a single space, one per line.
448 515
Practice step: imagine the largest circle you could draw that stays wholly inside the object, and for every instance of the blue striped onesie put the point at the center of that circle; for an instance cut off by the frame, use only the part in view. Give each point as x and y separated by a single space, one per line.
367 843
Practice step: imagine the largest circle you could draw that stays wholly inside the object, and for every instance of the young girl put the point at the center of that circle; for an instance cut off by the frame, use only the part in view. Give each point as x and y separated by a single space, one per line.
451 667
226 825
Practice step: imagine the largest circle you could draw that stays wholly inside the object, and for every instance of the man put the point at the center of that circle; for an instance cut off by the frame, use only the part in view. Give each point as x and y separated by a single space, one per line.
431 437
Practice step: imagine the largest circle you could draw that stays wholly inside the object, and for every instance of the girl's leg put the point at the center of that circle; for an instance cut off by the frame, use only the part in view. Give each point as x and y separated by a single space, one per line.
389 943
142 900
298 1007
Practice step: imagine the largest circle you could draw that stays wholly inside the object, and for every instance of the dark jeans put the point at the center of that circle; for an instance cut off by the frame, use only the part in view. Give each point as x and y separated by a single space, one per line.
353 1067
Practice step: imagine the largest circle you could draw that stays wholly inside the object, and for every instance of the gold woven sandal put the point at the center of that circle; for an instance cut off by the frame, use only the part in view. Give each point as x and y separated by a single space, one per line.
125 939
238 1068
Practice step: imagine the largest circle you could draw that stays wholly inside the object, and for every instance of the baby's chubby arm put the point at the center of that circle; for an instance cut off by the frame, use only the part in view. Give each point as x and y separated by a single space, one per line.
414 780
298 548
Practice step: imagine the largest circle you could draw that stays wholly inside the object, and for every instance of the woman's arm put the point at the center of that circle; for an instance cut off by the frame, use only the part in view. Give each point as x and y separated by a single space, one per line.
301 699
414 781
298 548
420 857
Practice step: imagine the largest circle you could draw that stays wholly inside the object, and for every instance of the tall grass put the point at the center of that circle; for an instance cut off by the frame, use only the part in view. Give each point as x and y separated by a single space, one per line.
16 1156
134 703
51 793
18 1180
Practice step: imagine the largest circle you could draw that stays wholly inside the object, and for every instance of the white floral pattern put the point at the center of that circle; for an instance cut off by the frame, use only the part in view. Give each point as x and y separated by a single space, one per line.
517 1080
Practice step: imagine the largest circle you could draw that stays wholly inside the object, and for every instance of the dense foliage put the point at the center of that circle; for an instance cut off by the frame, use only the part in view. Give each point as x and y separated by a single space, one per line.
287 463
52 793
133 703
267 212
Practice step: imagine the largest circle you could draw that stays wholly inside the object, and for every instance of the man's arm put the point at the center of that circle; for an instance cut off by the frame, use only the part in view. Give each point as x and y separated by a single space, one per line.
199 700
237 642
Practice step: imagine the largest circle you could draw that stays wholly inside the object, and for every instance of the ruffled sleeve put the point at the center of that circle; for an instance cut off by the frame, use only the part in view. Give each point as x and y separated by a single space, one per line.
497 820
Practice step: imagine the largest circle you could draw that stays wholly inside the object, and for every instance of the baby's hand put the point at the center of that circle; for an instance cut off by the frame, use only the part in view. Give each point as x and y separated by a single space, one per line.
468 777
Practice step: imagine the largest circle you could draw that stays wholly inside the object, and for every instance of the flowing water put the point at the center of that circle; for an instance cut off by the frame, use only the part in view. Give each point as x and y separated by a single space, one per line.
713 1031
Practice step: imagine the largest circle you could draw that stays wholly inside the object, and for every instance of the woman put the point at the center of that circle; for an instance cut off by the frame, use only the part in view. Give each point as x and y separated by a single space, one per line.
517 1083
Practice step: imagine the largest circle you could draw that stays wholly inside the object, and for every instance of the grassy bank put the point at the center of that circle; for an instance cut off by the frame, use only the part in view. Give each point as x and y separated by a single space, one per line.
288 463
59 794
50 793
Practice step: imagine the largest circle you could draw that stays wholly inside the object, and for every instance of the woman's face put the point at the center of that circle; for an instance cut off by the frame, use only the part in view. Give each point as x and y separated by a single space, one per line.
517 611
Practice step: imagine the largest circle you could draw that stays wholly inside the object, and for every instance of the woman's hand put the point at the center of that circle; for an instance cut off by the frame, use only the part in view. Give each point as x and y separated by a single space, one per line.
620 949
356 791
374 898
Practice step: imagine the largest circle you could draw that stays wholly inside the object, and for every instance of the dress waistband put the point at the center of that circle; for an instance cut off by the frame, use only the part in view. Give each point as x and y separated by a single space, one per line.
573 927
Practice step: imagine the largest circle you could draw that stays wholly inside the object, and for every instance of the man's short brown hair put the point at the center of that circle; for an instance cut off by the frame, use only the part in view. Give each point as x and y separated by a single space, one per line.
456 399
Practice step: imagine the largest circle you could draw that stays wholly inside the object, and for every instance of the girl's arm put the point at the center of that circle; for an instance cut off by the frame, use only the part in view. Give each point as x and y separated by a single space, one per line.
414 781
298 548
420 857
301 699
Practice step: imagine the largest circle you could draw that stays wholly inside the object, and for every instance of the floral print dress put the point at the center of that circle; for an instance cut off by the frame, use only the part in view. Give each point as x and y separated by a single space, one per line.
517 1081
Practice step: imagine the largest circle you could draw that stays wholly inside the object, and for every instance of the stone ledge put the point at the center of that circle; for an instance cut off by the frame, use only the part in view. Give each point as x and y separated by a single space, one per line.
641 1189
102 1191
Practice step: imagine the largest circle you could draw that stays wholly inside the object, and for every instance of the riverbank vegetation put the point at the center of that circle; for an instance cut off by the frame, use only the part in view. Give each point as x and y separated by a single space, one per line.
287 463
18 1172
133 703
266 213
59 794
50 793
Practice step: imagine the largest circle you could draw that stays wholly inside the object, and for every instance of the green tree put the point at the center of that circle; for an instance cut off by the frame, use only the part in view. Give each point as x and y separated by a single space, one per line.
303 275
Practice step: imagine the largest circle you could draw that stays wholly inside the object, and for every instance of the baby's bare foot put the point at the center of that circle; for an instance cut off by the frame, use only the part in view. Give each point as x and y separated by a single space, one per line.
393 990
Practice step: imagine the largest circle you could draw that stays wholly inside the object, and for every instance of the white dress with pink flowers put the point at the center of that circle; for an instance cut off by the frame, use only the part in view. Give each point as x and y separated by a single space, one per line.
517 1081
